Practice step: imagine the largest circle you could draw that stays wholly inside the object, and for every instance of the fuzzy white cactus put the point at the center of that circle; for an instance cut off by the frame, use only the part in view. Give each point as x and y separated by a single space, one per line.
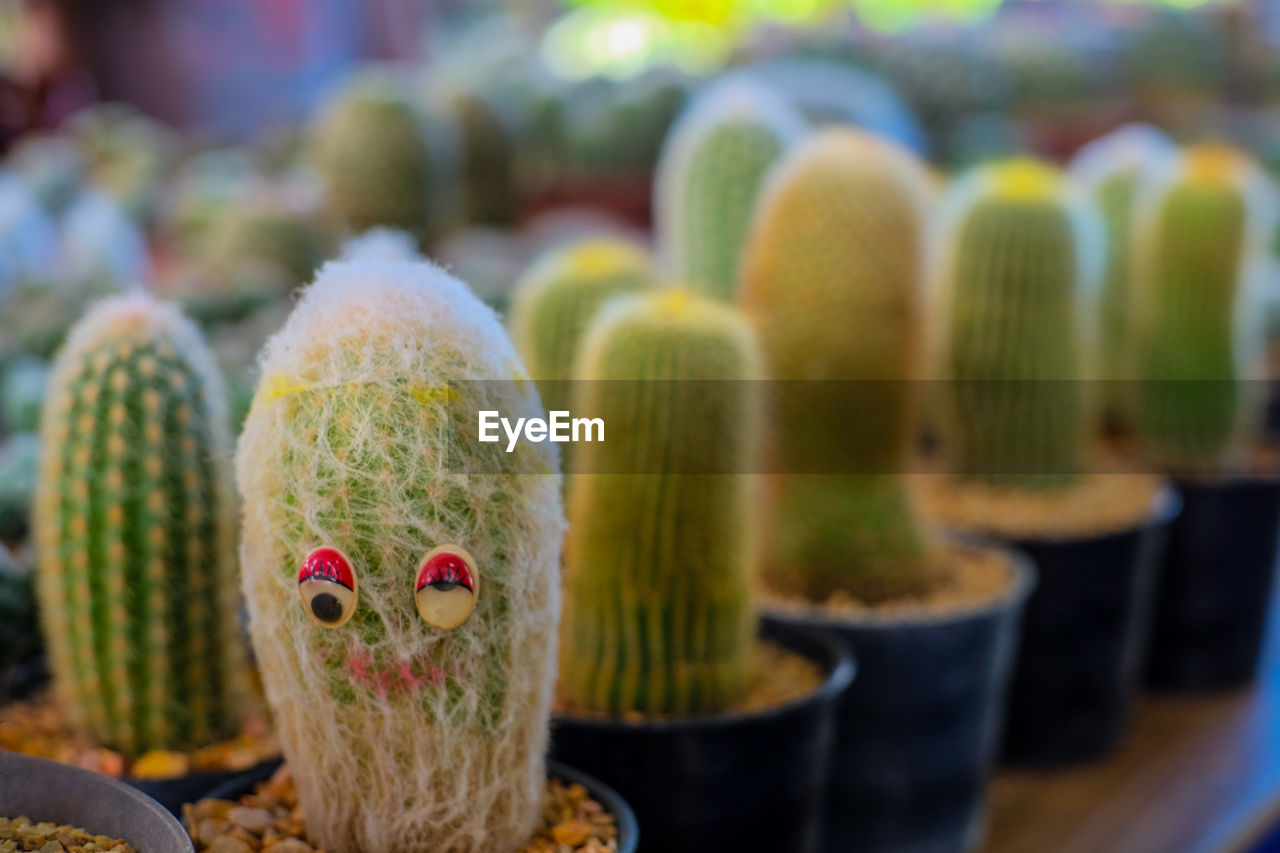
374 522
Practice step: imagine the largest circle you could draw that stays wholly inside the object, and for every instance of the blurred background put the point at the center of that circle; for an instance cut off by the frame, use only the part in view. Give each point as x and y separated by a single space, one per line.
165 142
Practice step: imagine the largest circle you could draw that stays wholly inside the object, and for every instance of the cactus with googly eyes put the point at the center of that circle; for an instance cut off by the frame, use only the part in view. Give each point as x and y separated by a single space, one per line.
402 577
660 557
133 516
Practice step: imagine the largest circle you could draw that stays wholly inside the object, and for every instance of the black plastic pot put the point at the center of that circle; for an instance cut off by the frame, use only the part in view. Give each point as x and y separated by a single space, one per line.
916 732
1215 587
1083 641
172 793
741 781
628 832
45 790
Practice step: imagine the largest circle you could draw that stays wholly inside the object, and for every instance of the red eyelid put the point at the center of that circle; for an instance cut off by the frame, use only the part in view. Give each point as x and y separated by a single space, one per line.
328 564
446 566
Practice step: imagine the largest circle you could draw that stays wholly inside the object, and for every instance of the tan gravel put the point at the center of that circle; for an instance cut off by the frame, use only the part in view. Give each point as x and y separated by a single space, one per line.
270 820
23 834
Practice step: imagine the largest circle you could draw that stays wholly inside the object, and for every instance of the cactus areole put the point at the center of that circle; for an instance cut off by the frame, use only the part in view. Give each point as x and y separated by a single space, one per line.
402 577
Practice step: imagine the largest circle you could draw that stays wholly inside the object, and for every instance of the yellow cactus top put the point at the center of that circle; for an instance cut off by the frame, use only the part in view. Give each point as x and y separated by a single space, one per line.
677 300
1024 179
603 258
674 307
1213 163
679 304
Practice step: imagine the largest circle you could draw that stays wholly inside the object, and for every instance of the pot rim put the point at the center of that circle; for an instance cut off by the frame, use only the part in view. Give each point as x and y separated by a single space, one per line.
88 787
1222 482
1019 588
1165 506
811 642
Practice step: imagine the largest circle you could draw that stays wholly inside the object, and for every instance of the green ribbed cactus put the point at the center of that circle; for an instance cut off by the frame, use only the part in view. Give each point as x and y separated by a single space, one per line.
1012 284
555 301
1110 169
382 161
1202 235
660 617
133 525
833 282
402 577
711 169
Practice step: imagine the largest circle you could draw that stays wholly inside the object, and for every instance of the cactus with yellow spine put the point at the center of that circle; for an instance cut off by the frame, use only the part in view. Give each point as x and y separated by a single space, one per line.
1200 262
555 301
1019 248
134 526
833 282
709 176
659 616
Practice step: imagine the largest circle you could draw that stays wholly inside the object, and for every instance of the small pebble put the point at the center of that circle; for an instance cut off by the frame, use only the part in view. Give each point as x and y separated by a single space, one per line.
228 844
253 820
573 832
209 829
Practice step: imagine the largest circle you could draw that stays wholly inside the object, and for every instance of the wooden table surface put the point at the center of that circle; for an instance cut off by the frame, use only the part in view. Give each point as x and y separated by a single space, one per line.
1195 775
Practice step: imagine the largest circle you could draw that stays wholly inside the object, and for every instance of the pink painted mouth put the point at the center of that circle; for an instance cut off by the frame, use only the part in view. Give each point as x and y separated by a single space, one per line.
407 677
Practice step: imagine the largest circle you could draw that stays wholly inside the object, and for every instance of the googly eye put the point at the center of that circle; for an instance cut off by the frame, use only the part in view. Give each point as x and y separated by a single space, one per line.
327 585
447 587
